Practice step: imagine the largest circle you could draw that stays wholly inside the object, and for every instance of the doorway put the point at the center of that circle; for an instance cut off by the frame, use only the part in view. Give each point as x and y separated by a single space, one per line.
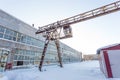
19 63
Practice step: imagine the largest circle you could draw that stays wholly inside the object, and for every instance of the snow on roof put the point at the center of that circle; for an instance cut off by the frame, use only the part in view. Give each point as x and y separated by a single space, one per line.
108 47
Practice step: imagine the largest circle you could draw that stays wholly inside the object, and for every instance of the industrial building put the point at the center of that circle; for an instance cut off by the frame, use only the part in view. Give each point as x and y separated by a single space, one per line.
21 47
88 57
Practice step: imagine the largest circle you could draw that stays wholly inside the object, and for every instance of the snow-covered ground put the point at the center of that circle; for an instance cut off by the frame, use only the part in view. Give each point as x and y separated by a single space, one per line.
88 70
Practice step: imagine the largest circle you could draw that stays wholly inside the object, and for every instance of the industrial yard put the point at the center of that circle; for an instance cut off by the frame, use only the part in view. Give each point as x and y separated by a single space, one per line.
88 70
29 51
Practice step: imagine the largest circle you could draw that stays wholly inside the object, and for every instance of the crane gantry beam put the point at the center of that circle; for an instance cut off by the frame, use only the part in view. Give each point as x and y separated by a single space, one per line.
81 17
53 31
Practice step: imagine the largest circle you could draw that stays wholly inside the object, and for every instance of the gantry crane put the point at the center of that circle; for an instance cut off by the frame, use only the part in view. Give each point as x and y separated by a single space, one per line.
62 29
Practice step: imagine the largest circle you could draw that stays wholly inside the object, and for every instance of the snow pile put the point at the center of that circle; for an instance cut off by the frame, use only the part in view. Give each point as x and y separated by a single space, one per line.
88 70
2 77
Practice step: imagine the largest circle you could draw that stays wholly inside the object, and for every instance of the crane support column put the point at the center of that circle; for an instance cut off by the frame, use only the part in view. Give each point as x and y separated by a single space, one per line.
44 51
59 52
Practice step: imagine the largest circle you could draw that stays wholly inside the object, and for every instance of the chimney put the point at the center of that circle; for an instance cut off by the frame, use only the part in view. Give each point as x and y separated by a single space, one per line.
33 25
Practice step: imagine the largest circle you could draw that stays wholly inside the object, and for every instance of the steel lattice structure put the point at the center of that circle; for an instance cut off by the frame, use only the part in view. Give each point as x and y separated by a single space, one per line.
61 29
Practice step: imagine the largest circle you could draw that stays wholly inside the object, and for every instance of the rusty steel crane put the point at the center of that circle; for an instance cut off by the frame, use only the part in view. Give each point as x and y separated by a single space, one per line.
62 29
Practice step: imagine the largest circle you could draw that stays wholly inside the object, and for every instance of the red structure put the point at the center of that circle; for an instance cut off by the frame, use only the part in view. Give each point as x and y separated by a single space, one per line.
8 66
109 60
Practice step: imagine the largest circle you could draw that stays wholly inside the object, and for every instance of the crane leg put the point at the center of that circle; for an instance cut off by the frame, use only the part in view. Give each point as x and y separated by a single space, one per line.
59 52
43 53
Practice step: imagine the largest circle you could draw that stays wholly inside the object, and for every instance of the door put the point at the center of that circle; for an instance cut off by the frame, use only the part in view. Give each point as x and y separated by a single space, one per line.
19 63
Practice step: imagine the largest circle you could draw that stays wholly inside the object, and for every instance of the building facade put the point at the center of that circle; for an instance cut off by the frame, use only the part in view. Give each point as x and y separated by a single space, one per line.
88 57
22 47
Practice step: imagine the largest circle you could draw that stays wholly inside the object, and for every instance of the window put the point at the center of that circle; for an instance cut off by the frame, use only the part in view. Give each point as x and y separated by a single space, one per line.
1 35
2 29
26 63
15 63
23 38
14 36
8 37
19 37
28 40
9 32
15 57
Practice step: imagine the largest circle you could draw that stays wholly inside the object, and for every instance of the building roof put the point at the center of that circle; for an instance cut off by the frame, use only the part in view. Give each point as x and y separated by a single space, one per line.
109 47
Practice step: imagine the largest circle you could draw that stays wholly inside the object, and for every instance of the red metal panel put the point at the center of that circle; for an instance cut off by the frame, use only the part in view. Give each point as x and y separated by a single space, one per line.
107 62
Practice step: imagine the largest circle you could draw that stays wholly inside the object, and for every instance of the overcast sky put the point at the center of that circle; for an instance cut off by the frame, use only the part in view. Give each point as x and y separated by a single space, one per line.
88 36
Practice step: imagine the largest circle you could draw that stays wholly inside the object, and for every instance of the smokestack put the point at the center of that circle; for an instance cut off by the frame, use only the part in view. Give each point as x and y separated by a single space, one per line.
33 25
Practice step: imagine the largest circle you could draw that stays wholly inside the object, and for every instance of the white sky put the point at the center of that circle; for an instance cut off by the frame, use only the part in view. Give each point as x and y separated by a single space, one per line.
88 36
